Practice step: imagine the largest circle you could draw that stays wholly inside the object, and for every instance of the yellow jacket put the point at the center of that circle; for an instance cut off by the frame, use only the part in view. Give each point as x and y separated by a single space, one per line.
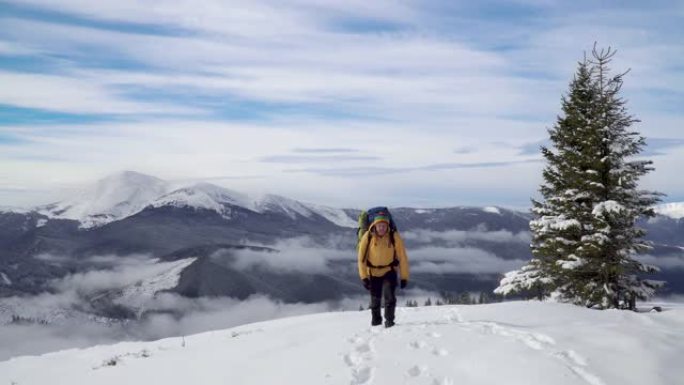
381 253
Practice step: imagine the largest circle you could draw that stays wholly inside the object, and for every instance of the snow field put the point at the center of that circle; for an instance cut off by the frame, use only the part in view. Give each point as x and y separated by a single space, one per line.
510 343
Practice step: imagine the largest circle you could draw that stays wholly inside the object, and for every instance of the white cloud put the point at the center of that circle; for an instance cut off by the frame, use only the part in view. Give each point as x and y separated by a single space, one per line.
73 95
427 87
466 260
665 262
456 237
129 271
294 255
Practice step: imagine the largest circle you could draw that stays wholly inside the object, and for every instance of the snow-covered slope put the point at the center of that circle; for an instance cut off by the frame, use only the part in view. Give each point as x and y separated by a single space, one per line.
278 204
292 208
131 286
137 295
112 198
336 216
672 210
509 343
205 196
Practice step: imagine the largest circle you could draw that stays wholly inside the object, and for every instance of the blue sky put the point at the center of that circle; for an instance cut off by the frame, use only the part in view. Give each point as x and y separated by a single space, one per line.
345 103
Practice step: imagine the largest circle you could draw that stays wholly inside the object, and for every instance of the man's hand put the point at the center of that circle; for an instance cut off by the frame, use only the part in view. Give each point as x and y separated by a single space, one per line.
366 283
403 283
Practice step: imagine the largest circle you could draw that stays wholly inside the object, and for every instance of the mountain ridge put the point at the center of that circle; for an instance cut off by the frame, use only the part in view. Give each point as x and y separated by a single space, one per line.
124 194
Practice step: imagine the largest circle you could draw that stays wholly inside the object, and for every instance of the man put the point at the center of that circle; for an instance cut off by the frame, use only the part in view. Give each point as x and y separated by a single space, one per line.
380 252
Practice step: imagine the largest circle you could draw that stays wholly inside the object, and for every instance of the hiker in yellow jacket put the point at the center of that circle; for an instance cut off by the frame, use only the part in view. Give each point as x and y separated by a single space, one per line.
381 251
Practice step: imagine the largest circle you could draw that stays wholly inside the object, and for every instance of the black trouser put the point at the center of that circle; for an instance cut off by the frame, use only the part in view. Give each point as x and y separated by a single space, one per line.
383 287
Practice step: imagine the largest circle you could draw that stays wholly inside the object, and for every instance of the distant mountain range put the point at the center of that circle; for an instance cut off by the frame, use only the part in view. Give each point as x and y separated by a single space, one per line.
236 245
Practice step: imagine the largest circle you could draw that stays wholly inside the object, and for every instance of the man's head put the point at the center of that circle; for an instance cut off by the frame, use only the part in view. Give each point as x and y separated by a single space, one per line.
381 228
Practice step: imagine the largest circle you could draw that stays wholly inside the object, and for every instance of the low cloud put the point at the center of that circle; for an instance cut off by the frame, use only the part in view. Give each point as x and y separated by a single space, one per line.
468 260
316 158
452 253
458 165
112 275
300 254
368 171
457 237
661 146
670 262
324 150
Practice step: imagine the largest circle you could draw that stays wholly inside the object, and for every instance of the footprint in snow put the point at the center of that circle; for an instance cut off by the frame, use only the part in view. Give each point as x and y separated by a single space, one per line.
417 370
355 340
443 381
352 360
440 352
434 335
418 344
364 348
362 375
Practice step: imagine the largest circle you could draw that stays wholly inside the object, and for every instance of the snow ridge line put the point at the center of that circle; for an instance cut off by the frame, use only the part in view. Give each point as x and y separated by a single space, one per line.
536 341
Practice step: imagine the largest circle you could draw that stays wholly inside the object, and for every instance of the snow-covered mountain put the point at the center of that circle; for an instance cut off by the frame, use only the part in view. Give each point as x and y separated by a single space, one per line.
127 193
110 199
296 252
673 210
509 343
205 196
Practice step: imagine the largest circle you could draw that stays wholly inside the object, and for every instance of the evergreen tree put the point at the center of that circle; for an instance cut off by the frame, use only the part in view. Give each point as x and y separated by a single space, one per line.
464 298
410 303
584 233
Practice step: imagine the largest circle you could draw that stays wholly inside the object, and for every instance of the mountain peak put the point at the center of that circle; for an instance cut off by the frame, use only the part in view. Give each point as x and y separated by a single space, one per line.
129 176
126 193
111 198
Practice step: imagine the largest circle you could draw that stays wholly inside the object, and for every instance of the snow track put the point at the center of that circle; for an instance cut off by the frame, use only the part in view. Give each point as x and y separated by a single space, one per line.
509 343
536 341
363 361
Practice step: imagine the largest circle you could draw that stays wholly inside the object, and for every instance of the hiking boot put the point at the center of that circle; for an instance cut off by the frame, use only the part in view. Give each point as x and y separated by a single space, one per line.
389 324
376 317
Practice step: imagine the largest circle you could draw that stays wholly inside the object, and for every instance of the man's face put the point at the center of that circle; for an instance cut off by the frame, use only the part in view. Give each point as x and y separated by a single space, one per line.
381 228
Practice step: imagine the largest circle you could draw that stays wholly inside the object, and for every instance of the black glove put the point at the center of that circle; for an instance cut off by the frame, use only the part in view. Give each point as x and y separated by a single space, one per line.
403 283
366 283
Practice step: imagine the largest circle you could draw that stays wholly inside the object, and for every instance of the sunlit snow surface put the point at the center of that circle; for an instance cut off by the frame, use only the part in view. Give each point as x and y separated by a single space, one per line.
510 343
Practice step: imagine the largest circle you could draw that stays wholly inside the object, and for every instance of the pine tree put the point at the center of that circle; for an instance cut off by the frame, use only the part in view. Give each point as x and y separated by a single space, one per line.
584 233
614 239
